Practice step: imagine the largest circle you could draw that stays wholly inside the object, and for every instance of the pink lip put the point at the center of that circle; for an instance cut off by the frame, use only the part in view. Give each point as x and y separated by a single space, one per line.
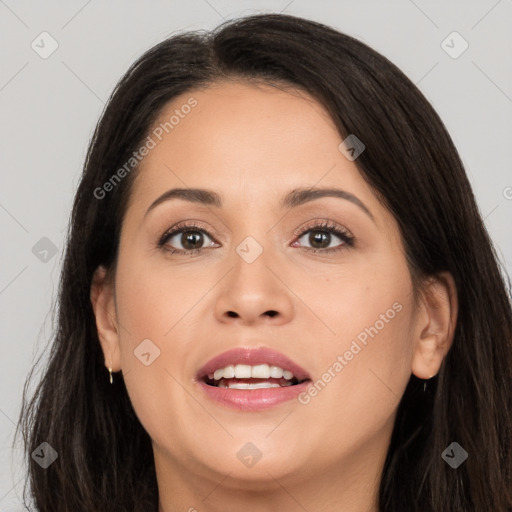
252 399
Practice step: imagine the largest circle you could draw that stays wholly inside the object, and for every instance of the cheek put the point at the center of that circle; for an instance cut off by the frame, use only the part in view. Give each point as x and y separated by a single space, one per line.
152 311
362 370
364 376
362 302
155 303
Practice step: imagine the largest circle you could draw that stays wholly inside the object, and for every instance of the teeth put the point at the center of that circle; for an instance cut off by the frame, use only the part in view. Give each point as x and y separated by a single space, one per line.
229 372
247 385
260 371
242 371
276 372
245 371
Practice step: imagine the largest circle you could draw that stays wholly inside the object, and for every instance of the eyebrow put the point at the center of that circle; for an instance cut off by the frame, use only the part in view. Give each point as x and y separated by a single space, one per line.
294 198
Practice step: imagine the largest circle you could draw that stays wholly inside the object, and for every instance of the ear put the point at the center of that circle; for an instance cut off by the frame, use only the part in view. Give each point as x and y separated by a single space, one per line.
435 327
103 303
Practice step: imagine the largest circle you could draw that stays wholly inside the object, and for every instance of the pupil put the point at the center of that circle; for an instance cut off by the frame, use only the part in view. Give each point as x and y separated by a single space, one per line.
317 237
188 238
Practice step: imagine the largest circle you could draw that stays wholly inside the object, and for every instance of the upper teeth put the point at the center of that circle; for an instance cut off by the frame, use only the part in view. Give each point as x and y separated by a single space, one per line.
245 371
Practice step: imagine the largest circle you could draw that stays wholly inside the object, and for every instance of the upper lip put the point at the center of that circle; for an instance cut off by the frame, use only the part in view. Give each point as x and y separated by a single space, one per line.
253 356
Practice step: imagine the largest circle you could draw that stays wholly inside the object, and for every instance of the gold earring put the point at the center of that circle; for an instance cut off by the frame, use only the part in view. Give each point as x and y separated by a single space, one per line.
110 371
425 384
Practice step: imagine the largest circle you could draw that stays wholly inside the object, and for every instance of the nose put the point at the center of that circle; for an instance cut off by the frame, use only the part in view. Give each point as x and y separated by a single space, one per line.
252 293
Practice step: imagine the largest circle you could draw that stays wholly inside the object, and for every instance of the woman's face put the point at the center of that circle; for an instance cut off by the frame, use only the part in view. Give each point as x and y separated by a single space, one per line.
268 273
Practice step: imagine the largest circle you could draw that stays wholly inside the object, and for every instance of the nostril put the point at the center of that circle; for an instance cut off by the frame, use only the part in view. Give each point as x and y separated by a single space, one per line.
271 313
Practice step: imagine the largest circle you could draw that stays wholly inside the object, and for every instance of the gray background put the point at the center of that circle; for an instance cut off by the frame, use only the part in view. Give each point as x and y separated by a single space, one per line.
49 107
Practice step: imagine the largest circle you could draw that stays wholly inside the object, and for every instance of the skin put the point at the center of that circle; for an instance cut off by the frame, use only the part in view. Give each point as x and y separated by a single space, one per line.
252 144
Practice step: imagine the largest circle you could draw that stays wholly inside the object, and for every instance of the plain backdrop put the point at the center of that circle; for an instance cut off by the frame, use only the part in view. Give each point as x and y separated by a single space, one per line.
50 104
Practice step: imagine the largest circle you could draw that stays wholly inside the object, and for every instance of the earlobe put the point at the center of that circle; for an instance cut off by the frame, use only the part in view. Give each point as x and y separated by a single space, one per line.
103 304
435 325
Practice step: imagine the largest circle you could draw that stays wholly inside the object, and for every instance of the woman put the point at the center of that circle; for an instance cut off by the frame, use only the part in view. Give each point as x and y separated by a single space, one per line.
278 293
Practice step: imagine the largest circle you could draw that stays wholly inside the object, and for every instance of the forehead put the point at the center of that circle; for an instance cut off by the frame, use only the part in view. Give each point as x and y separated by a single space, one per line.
250 136
248 121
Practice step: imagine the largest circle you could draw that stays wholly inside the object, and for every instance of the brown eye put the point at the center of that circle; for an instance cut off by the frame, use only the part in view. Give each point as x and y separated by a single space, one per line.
321 236
185 240
319 239
191 239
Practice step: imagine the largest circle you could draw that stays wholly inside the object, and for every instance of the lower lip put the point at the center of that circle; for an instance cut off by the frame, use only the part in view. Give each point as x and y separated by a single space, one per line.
253 399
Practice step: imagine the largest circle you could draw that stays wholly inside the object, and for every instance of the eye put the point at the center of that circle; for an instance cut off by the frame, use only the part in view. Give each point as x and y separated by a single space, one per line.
191 238
320 236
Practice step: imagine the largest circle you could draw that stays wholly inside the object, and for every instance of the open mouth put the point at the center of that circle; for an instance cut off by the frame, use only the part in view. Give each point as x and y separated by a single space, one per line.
252 378
251 383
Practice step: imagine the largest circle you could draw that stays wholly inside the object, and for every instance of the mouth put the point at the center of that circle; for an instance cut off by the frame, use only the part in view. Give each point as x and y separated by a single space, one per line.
252 378
243 376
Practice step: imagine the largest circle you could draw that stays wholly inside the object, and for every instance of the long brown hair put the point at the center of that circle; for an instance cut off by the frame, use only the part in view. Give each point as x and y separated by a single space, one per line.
105 459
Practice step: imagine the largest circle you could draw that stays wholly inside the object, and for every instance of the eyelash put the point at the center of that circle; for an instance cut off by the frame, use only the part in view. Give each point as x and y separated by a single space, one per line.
325 226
